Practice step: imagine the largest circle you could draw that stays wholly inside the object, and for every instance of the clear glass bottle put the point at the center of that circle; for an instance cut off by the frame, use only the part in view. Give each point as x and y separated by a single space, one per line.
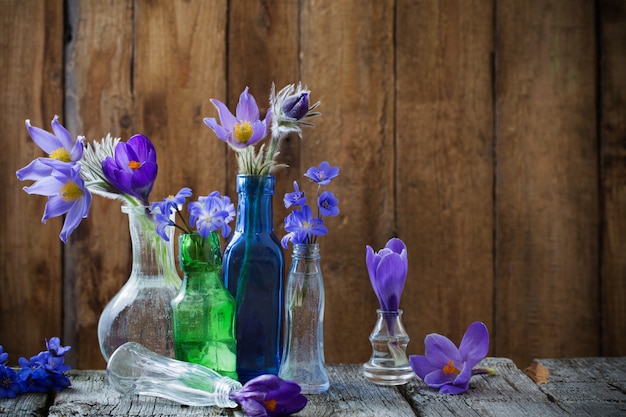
135 370
388 364
203 311
140 311
253 273
303 352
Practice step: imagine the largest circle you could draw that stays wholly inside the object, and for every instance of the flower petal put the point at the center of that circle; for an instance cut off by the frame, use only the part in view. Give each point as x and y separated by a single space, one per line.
421 366
475 343
61 133
227 119
439 350
45 140
247 108
454 388
396 245
390 277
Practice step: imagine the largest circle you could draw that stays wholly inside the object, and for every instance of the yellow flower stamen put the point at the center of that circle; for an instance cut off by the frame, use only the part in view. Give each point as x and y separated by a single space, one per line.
243 132
134 165
449 368
270 405
71 191
61 154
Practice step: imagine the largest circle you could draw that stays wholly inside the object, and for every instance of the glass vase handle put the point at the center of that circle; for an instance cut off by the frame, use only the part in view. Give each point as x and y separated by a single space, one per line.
134 369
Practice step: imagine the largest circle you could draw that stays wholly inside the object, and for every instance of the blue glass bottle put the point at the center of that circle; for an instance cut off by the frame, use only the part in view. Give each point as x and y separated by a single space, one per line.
253 273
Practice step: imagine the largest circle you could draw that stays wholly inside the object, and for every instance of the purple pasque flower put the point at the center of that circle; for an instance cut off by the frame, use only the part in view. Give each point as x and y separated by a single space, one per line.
302 227
291 109
295 198
60 147
242 129
133 168
327 204
323 174
447 368
387 270
211 213
269 396
66 193
296 106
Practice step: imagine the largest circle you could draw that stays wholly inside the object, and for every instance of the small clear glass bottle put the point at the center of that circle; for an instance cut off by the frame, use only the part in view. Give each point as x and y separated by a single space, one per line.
303 352
389 364
135 370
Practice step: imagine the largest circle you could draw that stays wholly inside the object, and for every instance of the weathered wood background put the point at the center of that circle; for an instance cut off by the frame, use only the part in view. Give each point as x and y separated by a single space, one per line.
490 135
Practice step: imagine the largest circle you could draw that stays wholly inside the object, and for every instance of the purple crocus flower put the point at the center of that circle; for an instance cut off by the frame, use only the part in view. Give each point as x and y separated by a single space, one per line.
387 270
134 168
240 130
269 396
66 193
447 368
322 174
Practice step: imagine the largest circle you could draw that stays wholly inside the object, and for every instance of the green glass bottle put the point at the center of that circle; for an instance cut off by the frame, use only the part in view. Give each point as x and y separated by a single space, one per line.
203 311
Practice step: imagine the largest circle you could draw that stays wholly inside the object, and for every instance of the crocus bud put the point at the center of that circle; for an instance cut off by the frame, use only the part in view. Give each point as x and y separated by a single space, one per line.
296 106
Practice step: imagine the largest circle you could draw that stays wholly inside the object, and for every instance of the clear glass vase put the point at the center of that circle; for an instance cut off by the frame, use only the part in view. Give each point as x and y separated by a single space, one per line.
140 311
135 370
389 364
203 311
253 273
303 352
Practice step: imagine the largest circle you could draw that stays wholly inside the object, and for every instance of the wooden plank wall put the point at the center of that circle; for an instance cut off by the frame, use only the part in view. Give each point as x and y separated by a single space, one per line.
490 135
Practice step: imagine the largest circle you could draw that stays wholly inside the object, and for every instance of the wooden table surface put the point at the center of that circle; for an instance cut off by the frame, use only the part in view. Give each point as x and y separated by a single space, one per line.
579 387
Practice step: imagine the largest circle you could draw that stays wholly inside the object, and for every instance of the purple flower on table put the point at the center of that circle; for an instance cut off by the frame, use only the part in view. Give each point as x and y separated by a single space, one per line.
66 193
269 396
242 129
447 368
133 168
387 270
327 204
323 174
54 347
11 385
295 198
3 356
302 226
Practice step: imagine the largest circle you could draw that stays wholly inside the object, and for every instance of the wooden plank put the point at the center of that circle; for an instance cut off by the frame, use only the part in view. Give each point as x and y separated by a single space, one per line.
263 46
98 101
613 174
350 394
546 181
508 393
587 386
24 405
444 154
30 252
92 395
180 62
354 80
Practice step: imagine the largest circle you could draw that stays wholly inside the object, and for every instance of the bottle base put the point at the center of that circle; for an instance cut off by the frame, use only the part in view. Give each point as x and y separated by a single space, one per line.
388 375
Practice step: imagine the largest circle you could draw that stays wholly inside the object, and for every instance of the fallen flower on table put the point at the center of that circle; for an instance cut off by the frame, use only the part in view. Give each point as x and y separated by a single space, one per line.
447 368
42 373
269 396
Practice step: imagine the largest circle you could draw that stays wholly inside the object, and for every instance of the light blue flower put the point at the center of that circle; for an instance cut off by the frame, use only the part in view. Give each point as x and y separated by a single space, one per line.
302 227
327 204
295 198
322 174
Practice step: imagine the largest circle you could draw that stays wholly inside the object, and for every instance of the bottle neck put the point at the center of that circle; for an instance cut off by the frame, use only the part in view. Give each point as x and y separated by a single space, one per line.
152 255
254 208
200 259
305 258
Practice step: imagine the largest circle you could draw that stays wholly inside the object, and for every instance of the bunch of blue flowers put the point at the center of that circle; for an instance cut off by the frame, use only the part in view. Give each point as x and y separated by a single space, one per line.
208 214
301 225
72 171
42 373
